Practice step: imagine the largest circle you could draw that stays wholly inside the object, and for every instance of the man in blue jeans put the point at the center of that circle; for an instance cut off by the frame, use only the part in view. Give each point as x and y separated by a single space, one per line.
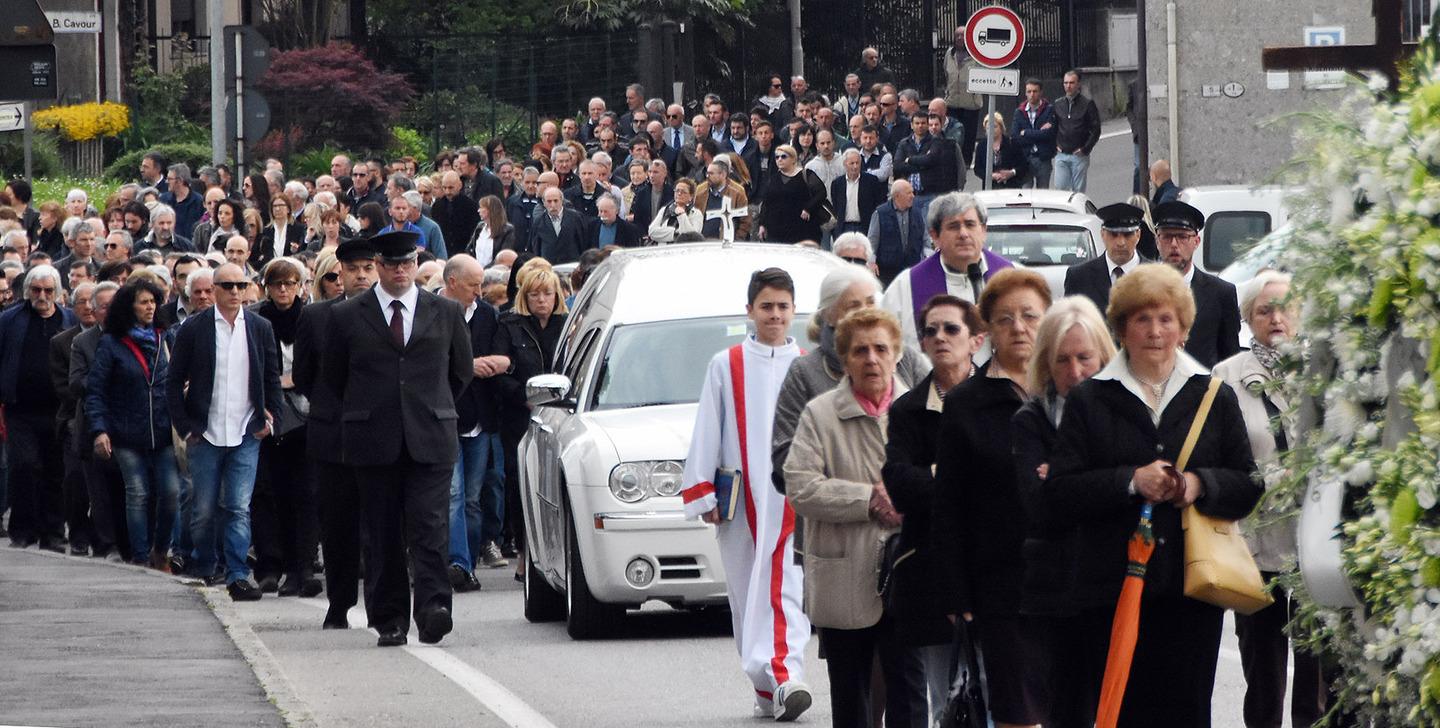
223 386
477 488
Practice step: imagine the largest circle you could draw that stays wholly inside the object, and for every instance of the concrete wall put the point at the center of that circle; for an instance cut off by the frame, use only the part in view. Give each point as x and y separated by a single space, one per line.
1219 43
77 56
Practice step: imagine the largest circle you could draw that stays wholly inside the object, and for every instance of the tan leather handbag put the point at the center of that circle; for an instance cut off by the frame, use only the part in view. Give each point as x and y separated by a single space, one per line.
1219 569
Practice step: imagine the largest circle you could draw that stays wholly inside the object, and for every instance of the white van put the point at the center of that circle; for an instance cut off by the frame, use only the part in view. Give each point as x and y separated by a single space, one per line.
1236 217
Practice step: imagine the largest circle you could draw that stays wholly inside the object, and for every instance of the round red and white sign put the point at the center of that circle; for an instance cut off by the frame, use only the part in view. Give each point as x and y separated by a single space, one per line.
994 36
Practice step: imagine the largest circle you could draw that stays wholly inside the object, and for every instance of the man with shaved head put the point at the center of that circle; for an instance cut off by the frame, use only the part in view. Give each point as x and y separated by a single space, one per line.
455 213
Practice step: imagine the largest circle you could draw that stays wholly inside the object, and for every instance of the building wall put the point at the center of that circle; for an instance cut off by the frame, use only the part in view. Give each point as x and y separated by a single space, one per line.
77 56
1218 43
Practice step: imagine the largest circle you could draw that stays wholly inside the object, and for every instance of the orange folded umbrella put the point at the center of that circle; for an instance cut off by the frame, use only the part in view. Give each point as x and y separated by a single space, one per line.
1126 627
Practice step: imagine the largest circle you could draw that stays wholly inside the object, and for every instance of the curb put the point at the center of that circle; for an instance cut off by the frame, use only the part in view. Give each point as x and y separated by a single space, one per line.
277 687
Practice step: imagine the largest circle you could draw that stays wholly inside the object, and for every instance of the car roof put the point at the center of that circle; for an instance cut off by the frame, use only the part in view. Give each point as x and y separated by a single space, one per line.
699 280
1049 199
1044 217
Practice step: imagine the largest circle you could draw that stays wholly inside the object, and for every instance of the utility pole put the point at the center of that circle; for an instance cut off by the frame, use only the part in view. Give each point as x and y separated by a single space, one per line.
1142 98
215 22
797 49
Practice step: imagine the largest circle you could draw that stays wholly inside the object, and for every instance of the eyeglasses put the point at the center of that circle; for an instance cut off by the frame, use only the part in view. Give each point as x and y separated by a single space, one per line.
330 277
38 290
111 246
1030 318
782 155
856 261
951 329
887 103
233 285
777 85
284 284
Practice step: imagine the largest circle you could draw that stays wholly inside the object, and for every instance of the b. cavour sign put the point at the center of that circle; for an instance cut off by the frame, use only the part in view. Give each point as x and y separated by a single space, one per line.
74 21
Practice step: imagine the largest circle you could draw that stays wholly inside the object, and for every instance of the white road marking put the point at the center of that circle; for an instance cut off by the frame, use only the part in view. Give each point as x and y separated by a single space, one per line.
506 706
1113 134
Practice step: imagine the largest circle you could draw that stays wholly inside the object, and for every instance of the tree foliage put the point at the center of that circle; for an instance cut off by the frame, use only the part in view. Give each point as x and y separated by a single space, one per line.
723 16
407 17
294 24
333 93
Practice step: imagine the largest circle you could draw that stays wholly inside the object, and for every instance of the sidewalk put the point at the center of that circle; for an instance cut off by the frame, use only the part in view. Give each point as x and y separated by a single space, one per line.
86 643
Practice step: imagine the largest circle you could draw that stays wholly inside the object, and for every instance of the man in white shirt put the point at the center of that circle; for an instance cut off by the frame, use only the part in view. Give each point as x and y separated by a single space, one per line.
223 388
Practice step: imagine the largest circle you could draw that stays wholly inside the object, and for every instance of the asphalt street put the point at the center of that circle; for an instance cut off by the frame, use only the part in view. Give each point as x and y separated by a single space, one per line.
1111 165
89 643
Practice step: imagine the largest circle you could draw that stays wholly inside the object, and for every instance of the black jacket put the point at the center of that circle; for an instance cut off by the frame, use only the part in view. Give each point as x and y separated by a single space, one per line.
871 196
1079 127
506 240
1091 279
1012 156
322 425
415 411
1168 191
642 212
627 234
565 247
191 379
457 219
935 159
478 404
264 251
1049 549
1215 335
978 525
1105 435
485 183
910 446
532 352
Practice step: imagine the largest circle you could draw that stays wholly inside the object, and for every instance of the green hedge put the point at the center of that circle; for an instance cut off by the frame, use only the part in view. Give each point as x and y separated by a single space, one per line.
127 166
44 157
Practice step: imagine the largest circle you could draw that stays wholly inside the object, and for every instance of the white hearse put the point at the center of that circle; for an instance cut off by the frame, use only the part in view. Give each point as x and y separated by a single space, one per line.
601 462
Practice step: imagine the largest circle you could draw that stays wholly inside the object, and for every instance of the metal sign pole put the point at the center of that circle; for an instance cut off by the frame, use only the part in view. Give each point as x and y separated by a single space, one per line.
989 145
26 110
239 105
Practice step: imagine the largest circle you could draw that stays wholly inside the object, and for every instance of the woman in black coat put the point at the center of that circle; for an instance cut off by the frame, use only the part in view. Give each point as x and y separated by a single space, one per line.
1122 432
1072 345
280 227
951 332
793 205
978 524
529 334
1010 169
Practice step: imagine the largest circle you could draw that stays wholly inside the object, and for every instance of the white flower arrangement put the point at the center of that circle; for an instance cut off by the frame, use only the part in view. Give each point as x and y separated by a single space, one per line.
1366 262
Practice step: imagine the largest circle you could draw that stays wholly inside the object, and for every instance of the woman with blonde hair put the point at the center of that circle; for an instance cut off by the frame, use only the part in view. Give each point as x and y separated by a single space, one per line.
327 278
1147 248
1071 345
528 335
1010 170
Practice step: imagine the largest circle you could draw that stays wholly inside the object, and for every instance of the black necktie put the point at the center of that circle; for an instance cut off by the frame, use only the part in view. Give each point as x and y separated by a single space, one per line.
397 323
1117 273
676 143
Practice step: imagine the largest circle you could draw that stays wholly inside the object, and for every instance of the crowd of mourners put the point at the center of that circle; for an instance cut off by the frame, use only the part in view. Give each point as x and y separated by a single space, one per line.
1005 439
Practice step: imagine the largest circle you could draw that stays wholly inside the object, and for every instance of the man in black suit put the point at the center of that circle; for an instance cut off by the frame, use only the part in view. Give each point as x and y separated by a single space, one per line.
1120 230
647 203
557 234
855 195
223 390
1215 335
339 496
397 357
607 228
77 500
456 214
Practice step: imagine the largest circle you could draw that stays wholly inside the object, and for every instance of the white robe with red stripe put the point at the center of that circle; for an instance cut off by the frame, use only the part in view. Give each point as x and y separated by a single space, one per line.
765 585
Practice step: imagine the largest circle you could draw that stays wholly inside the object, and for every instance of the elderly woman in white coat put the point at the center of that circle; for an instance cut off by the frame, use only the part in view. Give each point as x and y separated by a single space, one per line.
833 482
1255 377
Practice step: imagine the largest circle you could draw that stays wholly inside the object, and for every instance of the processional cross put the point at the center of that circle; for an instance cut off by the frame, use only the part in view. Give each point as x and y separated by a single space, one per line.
1384 56
727 214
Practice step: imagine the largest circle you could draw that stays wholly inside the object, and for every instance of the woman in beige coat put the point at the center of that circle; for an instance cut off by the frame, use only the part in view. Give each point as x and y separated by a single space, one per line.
1264 648
832 477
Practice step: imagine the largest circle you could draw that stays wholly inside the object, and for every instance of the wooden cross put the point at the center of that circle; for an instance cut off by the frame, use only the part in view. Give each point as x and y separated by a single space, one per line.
727 216
1384 56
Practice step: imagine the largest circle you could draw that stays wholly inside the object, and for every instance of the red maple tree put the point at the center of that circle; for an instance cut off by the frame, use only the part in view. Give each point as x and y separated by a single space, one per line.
334 94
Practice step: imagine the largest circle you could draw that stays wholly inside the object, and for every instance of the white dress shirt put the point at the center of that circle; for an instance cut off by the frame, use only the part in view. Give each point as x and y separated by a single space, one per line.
230 406
280 240
852 199
1111 265
1119 370
407 306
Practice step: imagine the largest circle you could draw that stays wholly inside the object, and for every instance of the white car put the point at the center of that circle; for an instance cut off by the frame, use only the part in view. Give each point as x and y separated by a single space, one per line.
1049 241
1235 217
1018 201
601 463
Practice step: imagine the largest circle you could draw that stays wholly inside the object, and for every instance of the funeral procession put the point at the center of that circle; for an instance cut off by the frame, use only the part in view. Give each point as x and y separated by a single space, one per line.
711 363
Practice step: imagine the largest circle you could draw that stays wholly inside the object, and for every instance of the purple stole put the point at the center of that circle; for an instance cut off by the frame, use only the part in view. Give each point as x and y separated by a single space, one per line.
927 279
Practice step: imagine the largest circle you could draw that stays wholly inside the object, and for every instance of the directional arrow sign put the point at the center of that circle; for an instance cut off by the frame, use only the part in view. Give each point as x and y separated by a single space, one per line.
12 117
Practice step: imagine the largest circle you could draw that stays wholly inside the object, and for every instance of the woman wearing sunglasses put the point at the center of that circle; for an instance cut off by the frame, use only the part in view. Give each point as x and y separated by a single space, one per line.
327 278
792 208
778 107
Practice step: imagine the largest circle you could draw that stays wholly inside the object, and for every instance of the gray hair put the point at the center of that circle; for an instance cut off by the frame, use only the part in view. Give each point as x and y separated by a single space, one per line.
9 265
849 239
8 238
834 285
1251 293
849 151
130 187
602 158
107 286
82 292
145 191
275 177
477 155
76 193
203 272
151 256
125 238
910 94
70 225
160 210
415 200
401 181
182 171
161 272
954 204
40 272
496 274
297 190
209 175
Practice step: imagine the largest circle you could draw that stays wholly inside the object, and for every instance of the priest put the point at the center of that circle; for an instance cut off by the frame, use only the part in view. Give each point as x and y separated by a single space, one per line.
726 483
960 265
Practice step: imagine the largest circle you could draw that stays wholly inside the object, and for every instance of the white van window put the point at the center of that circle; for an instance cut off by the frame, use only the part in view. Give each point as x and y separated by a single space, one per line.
1227 234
